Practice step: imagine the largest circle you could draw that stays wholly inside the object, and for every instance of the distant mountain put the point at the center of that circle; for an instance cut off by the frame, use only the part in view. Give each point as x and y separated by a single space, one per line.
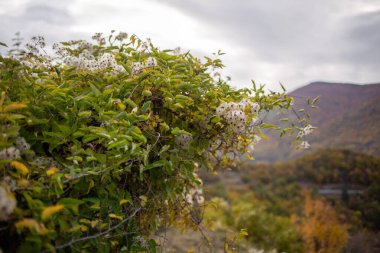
348 116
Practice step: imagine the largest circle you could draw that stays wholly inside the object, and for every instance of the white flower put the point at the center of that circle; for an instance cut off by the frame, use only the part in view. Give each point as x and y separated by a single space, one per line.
305 131
195 196
71 61
107 60
221 109
7 203
256 139
304 145
10 183
121 36
177 51
219 154
21 144
118 70
199 199
232 106
9 153
183 140
151 62
254 107
136 67
86 55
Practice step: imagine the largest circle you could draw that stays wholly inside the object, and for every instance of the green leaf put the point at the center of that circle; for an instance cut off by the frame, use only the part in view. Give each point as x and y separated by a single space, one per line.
315 100
152 246
177 131
70 203
118 144
268 125
216 119
164 149
3 44
145 107
130 102
94 90
159 163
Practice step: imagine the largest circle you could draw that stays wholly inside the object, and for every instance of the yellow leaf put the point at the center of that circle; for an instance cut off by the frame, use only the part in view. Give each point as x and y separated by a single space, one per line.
95 206
243 232
80 227
103 226
20 167
121 106
52 171
14 106
85 221
114 216
83 228
27 223
50 210
31 224
124 201
143 199
94 223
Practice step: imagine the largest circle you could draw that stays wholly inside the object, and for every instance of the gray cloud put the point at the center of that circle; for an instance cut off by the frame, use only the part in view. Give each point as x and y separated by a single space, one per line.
300 41
46 14
52 19
288 41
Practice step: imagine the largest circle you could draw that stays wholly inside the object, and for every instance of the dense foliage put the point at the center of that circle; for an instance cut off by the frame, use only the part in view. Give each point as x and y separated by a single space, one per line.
101 143
280 187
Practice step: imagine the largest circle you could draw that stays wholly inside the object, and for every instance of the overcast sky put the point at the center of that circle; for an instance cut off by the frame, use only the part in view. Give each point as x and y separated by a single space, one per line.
293 42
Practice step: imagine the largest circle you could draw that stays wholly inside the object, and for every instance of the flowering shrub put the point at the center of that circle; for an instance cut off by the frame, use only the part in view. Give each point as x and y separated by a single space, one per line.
101 142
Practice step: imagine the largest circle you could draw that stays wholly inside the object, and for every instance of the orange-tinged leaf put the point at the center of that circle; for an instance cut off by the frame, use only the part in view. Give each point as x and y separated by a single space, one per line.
31 224
23 183
50 210
20 167
52 171
27 223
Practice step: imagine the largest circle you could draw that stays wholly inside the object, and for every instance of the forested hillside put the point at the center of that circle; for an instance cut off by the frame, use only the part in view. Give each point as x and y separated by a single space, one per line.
348 116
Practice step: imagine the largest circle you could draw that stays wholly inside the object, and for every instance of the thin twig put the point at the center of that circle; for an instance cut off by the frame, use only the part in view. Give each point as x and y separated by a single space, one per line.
72 242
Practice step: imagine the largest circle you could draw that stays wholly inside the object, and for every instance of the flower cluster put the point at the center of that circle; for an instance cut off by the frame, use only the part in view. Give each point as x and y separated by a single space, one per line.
7 203
45 162
308 129
121 36
36 45
9 153
183 140
195 197
87 61
236 114
304 145
21 144
151 62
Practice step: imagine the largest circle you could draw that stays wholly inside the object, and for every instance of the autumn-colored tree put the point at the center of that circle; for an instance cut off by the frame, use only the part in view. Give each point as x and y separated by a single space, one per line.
320 228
